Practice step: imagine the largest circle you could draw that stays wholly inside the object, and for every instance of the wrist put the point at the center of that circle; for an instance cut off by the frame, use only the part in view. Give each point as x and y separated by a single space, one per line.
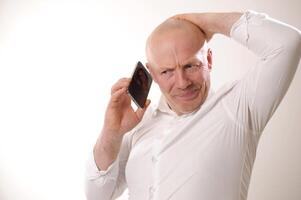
221 22
109 142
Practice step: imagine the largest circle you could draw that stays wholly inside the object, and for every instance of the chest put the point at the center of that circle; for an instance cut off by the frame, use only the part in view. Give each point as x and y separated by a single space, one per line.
186 150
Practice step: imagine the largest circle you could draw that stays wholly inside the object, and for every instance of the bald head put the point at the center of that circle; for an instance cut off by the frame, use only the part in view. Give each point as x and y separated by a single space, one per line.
174 38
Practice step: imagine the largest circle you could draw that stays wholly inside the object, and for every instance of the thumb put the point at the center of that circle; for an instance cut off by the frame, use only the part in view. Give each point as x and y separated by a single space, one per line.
140 111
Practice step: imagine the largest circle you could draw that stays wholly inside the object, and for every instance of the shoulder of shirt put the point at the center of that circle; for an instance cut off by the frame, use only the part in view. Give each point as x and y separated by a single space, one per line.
222 91
217 97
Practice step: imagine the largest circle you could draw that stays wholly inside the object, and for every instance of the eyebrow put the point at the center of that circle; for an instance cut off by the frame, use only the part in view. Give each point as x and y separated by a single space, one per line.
191 62
165 68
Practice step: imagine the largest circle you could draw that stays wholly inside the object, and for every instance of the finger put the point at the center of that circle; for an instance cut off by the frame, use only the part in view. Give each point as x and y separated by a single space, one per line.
140 111
116 96
121 83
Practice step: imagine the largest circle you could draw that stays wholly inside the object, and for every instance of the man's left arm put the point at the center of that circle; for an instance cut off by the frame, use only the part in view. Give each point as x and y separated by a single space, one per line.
278 48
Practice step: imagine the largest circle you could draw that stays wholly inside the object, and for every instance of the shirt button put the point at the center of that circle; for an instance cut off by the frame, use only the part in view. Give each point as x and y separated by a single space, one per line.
151 192
152 189
154 159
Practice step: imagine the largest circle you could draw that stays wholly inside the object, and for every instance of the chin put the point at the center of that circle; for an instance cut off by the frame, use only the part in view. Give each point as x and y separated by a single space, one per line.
187 107
190 106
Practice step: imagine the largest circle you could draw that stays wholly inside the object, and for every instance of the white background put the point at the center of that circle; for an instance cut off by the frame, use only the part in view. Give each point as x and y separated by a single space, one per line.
58 60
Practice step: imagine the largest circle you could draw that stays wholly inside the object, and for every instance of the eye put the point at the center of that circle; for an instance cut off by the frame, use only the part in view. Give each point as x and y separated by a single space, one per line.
191 67
167 73
164 72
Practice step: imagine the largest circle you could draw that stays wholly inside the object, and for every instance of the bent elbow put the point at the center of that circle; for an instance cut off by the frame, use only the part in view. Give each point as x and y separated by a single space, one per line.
293 44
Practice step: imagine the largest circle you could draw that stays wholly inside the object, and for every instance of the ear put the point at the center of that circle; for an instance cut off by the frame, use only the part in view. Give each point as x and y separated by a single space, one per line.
151 71
209 58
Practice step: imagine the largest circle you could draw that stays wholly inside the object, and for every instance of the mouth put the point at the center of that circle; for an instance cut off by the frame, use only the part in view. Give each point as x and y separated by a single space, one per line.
188 95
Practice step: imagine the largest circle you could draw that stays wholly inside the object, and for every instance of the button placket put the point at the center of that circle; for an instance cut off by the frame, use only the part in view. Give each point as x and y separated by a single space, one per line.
151 191
155 156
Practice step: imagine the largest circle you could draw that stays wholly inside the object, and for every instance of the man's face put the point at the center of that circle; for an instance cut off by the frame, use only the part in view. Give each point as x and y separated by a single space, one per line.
181 65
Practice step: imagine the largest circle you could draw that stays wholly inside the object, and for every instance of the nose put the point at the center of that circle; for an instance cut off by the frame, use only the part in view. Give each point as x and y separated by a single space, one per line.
182 80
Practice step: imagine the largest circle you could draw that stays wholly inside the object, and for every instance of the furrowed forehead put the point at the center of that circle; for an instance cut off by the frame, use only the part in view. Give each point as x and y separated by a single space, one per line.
172 42
198 58
175 53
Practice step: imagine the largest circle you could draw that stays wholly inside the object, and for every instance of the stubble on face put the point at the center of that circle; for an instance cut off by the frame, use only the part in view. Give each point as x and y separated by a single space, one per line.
172 44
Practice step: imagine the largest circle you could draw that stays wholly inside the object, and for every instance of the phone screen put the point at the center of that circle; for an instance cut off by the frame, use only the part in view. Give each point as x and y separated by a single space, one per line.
140 85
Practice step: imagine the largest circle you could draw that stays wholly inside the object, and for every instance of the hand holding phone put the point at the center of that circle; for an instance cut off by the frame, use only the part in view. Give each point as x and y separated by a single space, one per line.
140 85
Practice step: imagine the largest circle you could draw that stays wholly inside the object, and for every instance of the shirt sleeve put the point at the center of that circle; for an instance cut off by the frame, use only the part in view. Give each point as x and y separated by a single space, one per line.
108 184
277 46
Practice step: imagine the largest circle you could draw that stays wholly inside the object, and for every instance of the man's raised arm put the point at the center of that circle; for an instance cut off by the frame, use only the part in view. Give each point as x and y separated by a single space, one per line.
278 48
212 23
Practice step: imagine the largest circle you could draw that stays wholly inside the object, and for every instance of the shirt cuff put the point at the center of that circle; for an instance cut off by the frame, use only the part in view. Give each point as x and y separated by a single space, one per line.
100 177
240 29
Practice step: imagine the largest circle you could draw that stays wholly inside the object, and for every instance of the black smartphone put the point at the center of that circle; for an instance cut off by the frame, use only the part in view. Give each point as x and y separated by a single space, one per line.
140 85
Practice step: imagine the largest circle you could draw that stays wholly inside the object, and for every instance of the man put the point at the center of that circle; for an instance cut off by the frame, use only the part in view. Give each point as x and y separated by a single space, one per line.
194 144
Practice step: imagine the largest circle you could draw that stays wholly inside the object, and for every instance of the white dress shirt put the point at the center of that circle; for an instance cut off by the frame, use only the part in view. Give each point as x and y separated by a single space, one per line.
207 154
